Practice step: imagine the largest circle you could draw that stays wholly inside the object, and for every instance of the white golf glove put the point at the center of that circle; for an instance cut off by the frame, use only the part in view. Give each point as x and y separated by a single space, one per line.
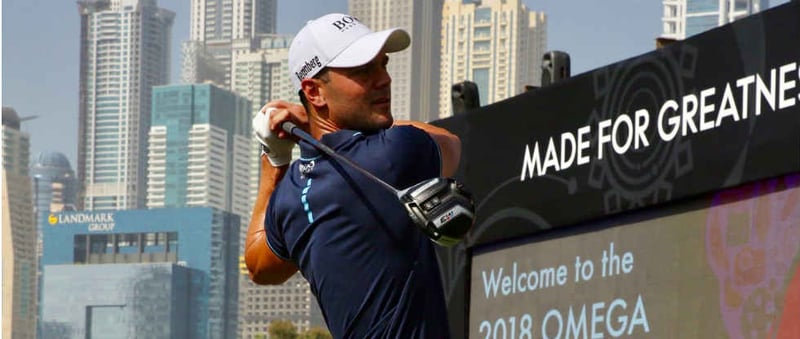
279 151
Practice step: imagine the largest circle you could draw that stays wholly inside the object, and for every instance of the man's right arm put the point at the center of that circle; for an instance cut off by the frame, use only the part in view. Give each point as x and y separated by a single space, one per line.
449 144
264 266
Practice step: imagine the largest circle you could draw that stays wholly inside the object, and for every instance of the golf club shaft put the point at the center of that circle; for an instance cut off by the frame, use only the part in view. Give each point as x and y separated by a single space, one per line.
291 128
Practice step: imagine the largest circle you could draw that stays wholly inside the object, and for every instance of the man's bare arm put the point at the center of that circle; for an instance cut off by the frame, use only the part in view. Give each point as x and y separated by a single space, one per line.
265 267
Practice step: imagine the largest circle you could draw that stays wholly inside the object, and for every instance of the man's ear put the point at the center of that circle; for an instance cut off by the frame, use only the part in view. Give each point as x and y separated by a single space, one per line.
311 88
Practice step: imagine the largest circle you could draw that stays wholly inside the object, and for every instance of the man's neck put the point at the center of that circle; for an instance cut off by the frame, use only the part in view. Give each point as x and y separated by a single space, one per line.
320 126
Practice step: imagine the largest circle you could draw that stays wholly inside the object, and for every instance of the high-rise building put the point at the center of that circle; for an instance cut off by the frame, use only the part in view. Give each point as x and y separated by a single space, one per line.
199 149
261 73
55 186
497 44
55 189
124 52
217 24
261 70
684 18
199 65
158 273
19 233
414 71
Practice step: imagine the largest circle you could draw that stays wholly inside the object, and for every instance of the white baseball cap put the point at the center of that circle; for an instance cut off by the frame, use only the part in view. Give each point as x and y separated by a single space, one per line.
339 40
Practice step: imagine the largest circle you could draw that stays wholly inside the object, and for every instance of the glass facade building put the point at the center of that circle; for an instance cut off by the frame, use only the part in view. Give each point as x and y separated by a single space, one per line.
148 300
199 149
54 183
55 189
90 249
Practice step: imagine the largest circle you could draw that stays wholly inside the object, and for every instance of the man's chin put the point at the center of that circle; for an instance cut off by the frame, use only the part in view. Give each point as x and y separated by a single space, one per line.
388 121
378 123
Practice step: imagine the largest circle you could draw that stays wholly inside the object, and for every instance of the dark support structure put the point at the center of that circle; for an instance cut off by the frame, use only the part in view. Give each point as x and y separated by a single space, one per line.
465 97
555 67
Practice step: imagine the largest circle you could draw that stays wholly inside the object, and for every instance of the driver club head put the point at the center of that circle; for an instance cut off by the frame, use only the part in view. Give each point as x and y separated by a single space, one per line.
441 208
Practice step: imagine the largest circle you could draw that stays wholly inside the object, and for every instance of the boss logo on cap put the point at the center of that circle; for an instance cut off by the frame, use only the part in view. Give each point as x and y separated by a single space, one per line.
345 22
309 66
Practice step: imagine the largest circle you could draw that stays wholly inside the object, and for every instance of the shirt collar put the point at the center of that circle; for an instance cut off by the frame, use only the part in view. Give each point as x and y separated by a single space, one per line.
334 140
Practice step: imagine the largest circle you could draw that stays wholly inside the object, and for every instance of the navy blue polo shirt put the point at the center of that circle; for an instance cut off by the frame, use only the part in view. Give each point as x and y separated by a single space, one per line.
374 273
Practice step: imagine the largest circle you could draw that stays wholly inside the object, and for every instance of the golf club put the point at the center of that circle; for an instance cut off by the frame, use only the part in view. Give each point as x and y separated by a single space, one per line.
441 207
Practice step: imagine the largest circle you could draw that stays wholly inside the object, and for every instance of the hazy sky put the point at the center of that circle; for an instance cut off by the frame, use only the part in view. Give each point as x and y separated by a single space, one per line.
41 42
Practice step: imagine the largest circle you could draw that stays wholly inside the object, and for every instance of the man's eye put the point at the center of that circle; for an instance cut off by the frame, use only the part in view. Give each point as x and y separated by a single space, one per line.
360 70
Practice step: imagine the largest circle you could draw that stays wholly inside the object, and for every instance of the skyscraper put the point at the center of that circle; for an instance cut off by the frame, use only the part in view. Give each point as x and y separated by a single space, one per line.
414 71
261 70
125 51
497 44
55 189
216 24
199 65
19 233
199 149
684 18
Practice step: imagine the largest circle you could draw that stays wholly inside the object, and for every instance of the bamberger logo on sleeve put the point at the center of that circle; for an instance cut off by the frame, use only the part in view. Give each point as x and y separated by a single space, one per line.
309 66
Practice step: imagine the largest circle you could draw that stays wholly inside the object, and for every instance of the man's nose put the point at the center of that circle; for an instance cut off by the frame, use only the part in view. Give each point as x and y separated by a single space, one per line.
383 78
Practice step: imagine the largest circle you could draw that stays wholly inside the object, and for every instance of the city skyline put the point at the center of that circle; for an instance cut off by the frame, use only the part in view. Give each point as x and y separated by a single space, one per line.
41 58
100 115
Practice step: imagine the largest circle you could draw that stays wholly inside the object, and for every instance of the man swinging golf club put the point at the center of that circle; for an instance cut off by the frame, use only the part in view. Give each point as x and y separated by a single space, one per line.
374 274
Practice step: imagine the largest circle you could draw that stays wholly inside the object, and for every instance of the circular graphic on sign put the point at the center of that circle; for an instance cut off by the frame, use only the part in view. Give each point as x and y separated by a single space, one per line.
52 219
637 167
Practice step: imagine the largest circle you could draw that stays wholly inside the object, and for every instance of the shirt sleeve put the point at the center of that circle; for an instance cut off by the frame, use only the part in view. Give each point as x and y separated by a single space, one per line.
414 152
273 230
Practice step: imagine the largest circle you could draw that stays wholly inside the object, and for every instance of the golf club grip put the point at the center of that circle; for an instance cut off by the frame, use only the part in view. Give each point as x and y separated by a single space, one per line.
291 128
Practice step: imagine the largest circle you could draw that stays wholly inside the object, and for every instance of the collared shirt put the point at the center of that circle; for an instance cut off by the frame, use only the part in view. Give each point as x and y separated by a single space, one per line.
374 273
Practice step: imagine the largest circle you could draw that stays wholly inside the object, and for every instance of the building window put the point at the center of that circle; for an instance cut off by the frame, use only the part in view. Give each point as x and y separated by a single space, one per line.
482 45
172 241
79 248
483 15
128 243
97 243
481 78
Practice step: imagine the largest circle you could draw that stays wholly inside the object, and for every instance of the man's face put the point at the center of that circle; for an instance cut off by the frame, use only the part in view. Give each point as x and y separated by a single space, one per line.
360 98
